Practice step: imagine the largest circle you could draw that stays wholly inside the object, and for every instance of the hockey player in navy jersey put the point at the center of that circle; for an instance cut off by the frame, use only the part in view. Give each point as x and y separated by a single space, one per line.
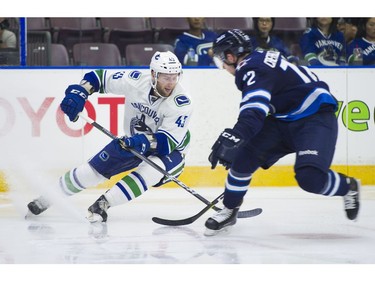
284 109
156 124
323 44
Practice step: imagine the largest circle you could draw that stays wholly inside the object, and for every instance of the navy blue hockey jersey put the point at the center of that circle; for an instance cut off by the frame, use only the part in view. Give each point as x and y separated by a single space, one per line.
271 85
365 47
201 45
319 49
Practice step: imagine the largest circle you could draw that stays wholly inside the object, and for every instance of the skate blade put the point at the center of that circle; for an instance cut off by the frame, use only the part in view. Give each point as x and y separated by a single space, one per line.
211 232
94 218
29 215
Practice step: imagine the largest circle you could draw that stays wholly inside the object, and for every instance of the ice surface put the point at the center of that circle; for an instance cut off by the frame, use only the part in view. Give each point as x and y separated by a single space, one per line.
295 228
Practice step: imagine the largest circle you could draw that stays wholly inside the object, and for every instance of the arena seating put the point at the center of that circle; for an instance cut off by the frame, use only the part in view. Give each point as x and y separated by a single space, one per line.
133 30
124 31
141 54
59 55
96 54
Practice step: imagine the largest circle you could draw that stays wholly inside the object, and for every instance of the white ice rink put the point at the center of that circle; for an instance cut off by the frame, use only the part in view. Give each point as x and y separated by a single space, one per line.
295 228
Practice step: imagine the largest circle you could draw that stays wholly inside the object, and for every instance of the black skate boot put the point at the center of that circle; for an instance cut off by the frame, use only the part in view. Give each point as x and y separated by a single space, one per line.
98 210
351 199
221 221
37 206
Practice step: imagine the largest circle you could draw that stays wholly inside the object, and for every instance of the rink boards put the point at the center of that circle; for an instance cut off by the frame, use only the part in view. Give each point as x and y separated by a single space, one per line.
35 133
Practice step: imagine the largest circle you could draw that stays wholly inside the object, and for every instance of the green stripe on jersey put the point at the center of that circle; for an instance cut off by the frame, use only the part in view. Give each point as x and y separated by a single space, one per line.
185 142
100 73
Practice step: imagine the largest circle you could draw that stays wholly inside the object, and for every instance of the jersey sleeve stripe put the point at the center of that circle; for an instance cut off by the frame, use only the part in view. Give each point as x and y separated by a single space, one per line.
168 135
310 105
256 105
257 93
185 142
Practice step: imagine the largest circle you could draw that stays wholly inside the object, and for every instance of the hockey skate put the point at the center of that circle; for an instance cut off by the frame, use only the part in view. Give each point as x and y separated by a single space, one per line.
97 212
221 221
351 199
37 206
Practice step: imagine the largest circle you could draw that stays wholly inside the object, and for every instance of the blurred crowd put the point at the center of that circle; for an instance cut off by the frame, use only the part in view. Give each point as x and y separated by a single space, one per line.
131 41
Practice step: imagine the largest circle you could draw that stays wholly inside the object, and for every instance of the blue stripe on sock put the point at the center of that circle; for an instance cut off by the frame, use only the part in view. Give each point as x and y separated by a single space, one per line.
127 195
76 179
139 177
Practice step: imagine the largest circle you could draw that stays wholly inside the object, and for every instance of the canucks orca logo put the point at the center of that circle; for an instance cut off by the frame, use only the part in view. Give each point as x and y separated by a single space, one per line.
135 74
138 125
182 100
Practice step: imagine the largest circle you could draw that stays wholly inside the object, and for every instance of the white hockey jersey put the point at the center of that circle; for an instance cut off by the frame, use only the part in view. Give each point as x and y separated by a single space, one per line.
167 118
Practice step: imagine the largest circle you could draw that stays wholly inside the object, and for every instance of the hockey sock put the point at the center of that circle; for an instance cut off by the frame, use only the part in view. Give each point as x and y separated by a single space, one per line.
126 189
336 185
80 178
235 188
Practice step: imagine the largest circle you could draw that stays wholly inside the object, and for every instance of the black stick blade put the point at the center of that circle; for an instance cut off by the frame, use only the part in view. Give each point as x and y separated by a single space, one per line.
186 221
249 213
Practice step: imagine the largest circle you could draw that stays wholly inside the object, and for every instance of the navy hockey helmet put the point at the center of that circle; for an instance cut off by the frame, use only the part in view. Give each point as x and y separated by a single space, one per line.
233 41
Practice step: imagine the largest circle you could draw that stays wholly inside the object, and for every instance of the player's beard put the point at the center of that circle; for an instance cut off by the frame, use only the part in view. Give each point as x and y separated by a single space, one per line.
159 91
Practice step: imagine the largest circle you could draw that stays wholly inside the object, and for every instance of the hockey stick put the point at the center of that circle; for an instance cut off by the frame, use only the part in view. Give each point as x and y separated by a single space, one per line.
243 214
190 219
148 161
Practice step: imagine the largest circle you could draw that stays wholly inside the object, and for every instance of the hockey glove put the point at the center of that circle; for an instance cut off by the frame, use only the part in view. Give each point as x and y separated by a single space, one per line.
225 149
74 101
138 142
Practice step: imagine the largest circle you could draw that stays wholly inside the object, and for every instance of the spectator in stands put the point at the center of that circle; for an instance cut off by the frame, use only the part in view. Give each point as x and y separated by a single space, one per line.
264 40
7 38
361 51
348 27
193 47
323 44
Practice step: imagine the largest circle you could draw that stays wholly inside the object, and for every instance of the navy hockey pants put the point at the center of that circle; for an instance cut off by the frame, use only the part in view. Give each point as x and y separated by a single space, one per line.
313 139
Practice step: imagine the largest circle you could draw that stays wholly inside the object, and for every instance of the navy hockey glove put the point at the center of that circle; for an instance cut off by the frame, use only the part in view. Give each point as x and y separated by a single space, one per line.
138 142
74 101
225 149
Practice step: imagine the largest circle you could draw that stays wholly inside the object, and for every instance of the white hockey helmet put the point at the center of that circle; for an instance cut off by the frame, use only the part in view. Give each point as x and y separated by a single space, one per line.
165 62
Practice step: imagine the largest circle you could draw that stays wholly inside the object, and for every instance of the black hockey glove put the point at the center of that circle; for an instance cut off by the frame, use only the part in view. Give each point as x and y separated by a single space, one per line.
225 149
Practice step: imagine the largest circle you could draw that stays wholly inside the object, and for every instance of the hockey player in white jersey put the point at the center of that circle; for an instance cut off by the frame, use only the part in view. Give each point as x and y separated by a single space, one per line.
156 120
